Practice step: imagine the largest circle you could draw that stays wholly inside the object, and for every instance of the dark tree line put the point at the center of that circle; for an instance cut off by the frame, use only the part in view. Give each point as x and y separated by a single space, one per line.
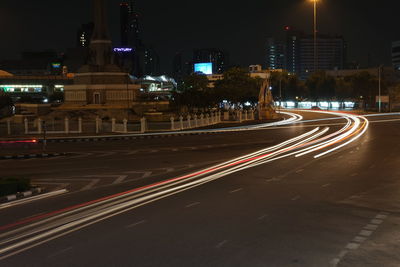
238 87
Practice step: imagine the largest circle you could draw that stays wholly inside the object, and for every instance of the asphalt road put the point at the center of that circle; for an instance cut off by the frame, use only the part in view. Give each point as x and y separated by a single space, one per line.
341 209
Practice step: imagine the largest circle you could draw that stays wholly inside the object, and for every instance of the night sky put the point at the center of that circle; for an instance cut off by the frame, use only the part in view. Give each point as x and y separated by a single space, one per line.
240 28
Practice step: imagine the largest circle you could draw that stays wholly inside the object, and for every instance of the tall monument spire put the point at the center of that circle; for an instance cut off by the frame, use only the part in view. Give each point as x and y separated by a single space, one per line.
100 46
100 21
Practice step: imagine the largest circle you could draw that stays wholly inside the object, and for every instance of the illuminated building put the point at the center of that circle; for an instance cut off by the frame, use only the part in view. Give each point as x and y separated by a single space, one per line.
84 35
275 51
296 53
396 55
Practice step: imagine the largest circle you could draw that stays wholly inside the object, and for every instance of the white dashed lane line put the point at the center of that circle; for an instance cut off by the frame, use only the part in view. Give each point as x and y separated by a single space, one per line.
135 224
364 234
296 198
192 204
236 190
221 244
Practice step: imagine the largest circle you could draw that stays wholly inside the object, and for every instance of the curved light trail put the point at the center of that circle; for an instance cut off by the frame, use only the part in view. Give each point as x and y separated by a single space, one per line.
26 234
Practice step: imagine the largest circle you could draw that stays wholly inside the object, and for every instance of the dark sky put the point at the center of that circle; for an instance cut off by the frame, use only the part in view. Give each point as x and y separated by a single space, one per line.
182 25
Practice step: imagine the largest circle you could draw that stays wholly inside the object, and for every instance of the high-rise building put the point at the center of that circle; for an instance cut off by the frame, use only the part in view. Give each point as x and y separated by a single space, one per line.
130 32
151 62
177 67
217 57
331 54
396 55
84 35
298 53
292 50
275 54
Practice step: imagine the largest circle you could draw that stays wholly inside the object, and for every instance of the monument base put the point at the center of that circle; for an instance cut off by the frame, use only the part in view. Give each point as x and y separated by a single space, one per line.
267 114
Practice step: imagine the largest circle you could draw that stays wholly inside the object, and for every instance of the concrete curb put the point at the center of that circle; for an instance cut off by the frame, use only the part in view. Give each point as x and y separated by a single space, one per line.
31 156
28 197
122 137
21 195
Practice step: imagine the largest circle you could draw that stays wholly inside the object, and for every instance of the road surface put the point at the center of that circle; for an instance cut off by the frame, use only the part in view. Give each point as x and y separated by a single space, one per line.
239 198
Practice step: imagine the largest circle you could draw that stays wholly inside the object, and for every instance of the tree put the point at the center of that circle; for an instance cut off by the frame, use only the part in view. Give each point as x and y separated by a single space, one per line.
363 86
194 93
289 85
394 94
5 100
321 86
238 87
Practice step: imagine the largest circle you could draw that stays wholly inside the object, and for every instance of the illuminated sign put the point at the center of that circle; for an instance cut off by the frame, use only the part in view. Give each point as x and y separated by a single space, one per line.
205 68
56 65
21 88
123 49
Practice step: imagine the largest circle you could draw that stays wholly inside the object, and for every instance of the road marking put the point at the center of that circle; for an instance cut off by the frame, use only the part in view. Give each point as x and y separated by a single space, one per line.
354 174
59 252
360 238
365 233
325 185
90 185
144 174
376 221
105 154
120 179
372 166
236 190
81 156
371 227
192 204
262 217
220 244
274 179
132 152
352 246
295 198
135 224
299 171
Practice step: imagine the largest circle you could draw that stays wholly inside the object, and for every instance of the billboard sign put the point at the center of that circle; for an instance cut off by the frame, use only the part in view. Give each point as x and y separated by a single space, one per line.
123 49
205 68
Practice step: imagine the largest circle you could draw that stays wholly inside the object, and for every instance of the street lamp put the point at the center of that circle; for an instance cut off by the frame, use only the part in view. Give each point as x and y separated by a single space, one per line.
315 35
379 87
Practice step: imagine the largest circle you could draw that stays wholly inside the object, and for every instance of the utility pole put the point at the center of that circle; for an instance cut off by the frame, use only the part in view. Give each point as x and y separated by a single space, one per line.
315 37
379 89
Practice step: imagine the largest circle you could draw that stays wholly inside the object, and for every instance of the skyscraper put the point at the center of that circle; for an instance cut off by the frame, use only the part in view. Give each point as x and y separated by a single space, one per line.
84 35
396 55
151 62
275 54
130 32
331 54
296 53
292 50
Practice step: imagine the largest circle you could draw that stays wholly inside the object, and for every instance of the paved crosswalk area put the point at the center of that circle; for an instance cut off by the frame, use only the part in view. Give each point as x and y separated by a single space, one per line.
87 182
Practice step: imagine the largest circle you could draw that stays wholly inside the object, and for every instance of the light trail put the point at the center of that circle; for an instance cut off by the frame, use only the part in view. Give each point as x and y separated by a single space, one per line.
35 231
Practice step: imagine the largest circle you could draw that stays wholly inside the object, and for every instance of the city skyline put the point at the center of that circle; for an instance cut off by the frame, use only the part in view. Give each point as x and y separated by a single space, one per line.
241 31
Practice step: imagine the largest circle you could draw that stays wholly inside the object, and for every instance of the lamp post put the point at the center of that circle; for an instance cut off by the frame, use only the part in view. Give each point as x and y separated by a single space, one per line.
315 35
379 89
